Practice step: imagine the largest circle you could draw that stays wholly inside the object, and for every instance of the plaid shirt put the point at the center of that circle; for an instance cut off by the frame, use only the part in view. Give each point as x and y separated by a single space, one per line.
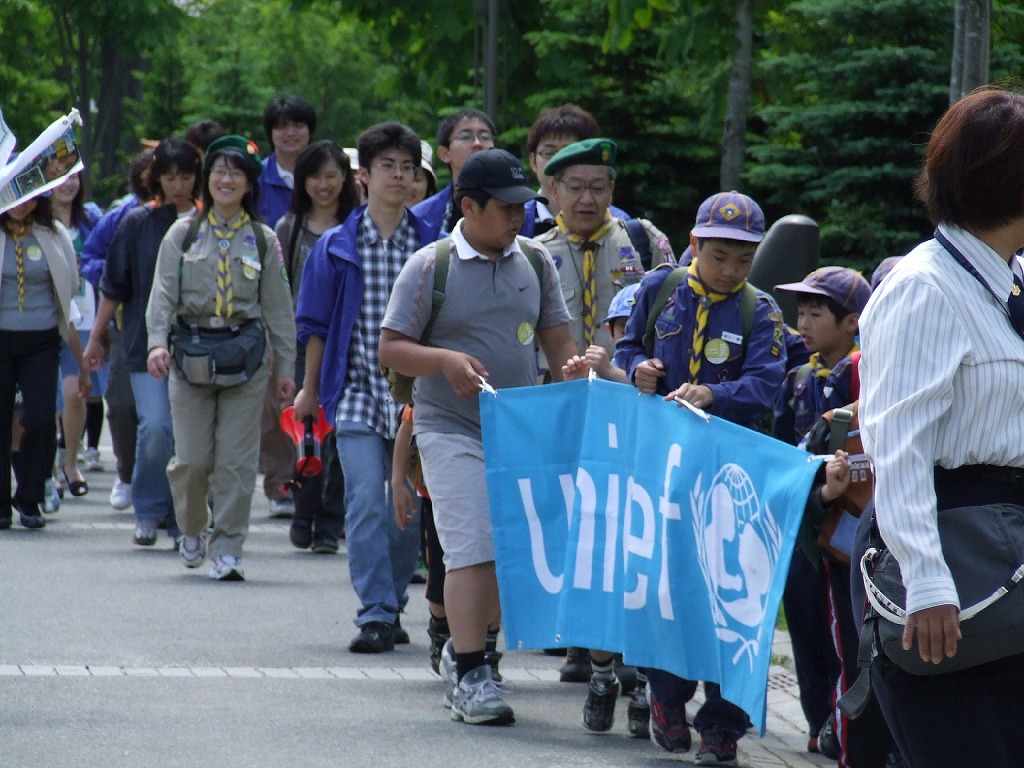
365 398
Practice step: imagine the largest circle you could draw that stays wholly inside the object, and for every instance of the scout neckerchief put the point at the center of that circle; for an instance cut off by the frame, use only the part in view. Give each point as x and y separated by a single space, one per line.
707 299
818 370
19 231
588 246
225 293
1015 302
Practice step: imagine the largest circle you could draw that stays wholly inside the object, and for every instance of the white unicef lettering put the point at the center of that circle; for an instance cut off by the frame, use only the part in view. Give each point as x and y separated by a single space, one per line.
669 510
551 583
611 533
583 575
642 546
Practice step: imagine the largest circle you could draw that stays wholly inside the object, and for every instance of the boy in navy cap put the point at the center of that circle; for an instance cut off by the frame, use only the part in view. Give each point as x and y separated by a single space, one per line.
708 349
830 301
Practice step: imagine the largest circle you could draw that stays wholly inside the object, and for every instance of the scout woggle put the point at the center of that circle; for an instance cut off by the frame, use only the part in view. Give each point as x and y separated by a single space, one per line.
308 437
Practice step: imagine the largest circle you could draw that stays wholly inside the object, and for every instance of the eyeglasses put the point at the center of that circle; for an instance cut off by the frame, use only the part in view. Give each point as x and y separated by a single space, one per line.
548 152
389 166
227 173
484 137
578 187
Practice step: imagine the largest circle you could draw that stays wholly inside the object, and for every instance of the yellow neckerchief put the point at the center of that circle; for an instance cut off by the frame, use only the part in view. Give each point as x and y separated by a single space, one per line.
588 245
225 293
19 231
707 299
818 369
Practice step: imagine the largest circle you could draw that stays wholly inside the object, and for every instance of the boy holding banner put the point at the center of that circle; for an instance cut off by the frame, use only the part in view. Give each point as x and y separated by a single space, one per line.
483 337
718 345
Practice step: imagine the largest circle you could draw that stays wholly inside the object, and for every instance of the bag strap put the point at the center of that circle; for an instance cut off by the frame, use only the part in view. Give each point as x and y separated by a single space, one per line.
534 259
747 305
675 277
442 259
638 237
841 418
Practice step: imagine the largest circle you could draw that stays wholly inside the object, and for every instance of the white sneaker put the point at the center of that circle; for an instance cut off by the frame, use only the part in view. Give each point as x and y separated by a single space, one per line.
192 550
478 700
449 672
92 460
226 568
51 498
121 495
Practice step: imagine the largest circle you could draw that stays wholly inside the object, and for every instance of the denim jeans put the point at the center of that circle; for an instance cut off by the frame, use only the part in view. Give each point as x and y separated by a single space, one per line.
151 493
381 557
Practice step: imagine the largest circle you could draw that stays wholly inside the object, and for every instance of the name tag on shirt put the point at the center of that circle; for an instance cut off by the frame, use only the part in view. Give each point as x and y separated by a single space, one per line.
732 338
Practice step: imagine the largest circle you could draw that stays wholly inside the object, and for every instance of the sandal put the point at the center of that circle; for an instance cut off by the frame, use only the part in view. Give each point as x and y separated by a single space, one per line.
75 487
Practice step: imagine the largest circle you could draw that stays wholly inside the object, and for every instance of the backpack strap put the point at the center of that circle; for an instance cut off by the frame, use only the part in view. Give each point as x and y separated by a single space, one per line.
638 237
534 259
841 418
748 301
442 258
675 277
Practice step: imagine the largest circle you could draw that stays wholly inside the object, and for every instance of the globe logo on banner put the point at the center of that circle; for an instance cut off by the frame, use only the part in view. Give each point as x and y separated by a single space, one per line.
738 545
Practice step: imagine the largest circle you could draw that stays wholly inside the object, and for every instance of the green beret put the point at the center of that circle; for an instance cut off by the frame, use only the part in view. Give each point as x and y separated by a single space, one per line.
238 145
586 152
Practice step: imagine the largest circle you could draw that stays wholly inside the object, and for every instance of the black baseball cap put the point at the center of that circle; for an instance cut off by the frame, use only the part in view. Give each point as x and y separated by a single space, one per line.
499 174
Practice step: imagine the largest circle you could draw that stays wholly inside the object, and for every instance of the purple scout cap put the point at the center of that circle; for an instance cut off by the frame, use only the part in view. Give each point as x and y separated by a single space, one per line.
730 216
882 270
842 284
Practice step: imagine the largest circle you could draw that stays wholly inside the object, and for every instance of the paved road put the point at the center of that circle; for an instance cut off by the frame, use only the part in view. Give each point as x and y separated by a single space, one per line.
117 656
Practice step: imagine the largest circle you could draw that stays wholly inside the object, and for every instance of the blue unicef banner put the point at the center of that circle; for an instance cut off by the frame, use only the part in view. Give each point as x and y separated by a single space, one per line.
625 523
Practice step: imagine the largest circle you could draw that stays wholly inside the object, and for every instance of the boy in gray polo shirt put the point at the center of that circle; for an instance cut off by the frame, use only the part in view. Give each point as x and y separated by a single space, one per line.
495 308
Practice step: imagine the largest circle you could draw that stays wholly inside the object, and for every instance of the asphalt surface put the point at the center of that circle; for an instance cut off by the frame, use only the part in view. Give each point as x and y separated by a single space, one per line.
116 655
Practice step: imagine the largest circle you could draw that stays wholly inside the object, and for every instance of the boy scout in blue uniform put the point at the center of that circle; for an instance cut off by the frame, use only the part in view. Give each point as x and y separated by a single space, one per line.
830 302
702 354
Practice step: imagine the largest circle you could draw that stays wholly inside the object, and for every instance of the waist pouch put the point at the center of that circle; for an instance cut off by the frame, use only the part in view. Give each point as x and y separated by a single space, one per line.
984 549
225 358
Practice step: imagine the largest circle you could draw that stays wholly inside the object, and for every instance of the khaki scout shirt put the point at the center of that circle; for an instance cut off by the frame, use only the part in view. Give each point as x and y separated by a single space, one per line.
261 290
616 265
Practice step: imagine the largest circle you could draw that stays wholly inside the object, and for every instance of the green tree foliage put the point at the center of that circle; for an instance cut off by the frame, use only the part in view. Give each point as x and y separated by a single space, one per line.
32 95
854 86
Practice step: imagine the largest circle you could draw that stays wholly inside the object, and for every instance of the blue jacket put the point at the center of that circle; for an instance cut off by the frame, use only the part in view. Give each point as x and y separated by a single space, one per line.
275 195
530 222
330 296
805 398
94 252
431 211
744 385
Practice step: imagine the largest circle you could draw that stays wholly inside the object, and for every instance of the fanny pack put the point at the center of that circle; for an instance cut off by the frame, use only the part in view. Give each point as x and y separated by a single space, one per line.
226 357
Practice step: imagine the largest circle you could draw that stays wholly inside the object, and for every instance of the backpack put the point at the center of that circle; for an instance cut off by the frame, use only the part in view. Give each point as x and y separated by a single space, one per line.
638 237
399 384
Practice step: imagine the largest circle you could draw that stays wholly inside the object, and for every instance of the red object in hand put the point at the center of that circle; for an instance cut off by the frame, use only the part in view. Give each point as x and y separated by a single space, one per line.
308 437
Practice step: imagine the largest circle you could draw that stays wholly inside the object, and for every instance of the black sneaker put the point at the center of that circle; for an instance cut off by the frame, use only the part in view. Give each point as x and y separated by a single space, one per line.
577 667
599 708
669 728
716 748
325 544
627 676
828 744
300 533
29 514
437 630
638 712
373 637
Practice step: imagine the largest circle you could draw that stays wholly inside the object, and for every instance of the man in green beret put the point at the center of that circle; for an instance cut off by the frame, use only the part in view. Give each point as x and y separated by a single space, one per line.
597 254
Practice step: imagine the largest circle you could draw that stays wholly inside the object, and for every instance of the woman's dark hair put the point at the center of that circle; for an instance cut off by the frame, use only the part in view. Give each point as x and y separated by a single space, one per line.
309 162
175 154
78 217
288 108
203 133
973 173
42 215
138 175
237 160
